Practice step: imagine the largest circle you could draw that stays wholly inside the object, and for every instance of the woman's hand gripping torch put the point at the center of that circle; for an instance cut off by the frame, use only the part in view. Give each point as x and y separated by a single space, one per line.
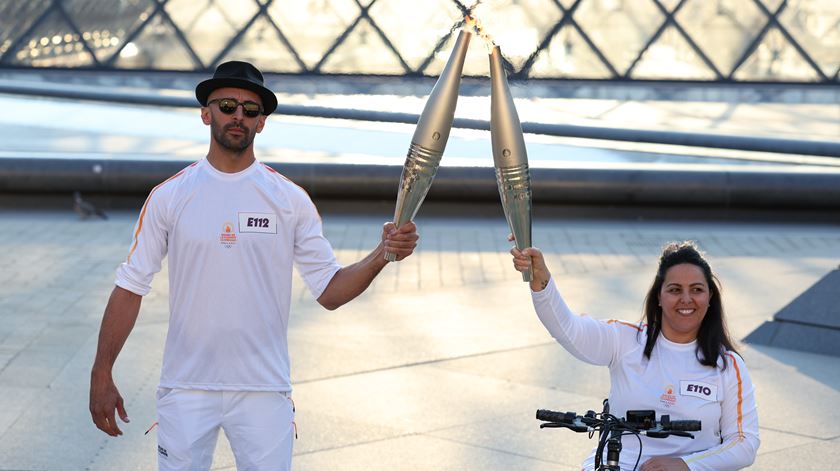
430 137
510 157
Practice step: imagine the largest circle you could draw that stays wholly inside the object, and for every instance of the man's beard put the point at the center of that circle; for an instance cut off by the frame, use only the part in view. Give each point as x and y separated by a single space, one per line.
221 136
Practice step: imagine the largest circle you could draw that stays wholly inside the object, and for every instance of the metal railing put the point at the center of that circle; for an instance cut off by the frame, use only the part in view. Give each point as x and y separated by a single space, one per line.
679 138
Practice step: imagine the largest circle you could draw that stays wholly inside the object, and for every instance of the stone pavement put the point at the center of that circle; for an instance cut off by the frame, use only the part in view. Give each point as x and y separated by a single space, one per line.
440 365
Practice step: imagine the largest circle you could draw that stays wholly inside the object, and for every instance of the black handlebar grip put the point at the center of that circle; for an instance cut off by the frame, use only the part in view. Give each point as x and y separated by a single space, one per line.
552 416
684 425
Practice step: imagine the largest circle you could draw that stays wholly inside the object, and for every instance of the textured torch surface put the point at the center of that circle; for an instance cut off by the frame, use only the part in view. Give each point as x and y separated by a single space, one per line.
430 136
510 157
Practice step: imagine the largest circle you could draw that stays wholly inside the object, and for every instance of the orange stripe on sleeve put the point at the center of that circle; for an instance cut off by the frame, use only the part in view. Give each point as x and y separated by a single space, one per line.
614 321
143 211
740 395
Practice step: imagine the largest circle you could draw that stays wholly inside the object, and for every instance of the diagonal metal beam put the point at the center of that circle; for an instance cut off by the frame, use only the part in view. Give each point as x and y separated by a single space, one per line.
239 34
229 21
340 39
4 59
670 20
366 14
196 60
676 24
651 40
200 12
592 46
546 40
568 17
285 40
442 41
109 62
60 8
262 10
159 10
793 42
755 42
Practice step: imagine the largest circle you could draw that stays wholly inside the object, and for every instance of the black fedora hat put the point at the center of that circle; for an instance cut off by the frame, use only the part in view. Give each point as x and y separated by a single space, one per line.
237 74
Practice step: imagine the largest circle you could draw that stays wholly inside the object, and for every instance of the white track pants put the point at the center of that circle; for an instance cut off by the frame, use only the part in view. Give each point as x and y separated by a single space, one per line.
258 426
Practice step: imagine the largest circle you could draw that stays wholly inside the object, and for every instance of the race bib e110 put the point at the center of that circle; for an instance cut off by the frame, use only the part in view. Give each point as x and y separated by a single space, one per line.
698 389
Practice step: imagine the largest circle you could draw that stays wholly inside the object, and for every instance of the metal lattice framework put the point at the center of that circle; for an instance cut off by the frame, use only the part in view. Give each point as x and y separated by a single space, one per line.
696 40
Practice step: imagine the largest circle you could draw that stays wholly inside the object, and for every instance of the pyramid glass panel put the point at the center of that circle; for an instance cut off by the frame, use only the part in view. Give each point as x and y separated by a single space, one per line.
672 57
723 29
476 63
105 25
210 28
156 47
568 55
816 27
620 29
53 43
312 26
415 28
16 18
363 52
262 46
775 59
518 27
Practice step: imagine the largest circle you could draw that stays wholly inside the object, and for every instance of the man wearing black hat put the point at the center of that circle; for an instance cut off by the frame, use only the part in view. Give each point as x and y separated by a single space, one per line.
232 229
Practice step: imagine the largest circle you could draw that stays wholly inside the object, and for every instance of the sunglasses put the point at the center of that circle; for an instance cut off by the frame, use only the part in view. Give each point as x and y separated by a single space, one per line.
229 106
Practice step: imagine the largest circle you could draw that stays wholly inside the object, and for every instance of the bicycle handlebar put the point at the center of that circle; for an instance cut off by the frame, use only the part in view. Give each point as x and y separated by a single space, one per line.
611 428
552 416
682 425
655 429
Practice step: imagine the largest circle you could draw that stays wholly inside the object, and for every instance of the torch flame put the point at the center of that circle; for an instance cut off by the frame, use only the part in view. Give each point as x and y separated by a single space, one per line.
474 25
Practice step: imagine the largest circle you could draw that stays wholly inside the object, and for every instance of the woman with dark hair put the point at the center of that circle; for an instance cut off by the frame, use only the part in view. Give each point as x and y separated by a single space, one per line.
679 361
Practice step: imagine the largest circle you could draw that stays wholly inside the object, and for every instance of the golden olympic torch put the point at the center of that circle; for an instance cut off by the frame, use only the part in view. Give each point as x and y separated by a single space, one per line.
510 157
430 137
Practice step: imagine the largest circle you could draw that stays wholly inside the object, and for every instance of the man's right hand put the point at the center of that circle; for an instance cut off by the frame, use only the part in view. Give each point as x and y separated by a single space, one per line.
105 399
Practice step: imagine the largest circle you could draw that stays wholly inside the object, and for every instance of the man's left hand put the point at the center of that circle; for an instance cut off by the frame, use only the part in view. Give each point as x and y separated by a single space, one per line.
661 463
400 241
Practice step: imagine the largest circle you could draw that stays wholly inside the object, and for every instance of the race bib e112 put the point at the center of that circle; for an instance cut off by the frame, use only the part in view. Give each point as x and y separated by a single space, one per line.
258 222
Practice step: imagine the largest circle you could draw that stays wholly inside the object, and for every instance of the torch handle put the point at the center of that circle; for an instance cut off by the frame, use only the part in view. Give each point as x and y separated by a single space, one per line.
515 192
528 275
418 173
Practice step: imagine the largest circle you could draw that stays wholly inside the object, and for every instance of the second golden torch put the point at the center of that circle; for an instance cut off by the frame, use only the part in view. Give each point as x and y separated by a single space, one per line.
510 157
430 137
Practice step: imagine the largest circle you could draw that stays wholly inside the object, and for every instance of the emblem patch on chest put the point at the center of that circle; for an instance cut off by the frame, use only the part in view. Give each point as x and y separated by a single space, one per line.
668 399
699 389
265 223
228 235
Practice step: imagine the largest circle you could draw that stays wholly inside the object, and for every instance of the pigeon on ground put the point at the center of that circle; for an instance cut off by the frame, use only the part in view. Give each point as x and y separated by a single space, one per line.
86 209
